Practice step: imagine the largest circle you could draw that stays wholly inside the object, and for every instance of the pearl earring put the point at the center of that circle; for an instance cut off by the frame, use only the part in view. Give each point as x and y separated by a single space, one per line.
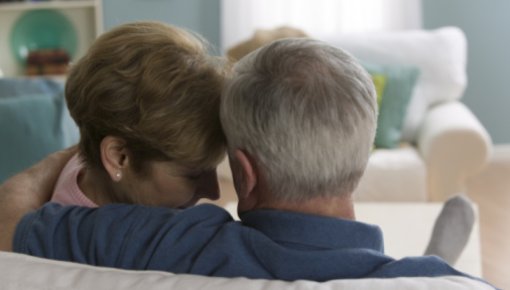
118 175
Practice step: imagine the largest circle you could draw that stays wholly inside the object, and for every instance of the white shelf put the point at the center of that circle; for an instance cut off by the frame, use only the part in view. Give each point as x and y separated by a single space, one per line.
85 15
20 6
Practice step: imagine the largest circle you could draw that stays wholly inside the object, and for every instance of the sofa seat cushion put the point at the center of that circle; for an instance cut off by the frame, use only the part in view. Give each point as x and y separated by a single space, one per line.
394 175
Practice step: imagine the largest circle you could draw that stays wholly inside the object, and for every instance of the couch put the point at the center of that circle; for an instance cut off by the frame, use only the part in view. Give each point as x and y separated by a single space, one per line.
34 122
428 142
29 273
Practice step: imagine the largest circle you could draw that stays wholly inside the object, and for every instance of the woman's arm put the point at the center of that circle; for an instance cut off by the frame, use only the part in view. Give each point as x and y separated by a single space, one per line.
28 191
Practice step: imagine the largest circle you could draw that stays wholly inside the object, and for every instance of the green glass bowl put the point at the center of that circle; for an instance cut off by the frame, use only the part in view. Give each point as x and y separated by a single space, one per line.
42 29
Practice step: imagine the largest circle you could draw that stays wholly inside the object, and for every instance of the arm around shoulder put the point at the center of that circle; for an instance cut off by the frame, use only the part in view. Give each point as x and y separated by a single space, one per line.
28 191
120 235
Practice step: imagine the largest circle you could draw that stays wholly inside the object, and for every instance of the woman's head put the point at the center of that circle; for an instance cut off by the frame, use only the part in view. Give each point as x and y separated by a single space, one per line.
156 90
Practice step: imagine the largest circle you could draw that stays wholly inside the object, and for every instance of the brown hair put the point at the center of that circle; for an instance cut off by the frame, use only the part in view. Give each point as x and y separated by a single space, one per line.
262 37
153 85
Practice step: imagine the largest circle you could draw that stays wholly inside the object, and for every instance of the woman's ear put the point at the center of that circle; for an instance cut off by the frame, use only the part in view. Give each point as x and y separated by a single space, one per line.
114 156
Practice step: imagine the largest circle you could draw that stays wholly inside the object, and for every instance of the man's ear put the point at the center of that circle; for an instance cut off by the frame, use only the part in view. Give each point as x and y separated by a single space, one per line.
114 156
248 174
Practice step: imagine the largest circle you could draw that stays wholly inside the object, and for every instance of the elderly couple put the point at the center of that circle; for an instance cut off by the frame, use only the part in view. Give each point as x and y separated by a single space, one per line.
156 112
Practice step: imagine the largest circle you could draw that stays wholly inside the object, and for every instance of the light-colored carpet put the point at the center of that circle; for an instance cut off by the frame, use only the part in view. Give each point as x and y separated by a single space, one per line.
490 189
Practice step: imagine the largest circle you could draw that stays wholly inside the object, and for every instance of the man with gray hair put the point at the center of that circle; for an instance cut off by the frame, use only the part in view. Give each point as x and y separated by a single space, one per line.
300 118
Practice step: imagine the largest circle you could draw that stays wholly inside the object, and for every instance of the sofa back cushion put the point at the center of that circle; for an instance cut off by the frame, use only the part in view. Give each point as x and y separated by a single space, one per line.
18 87
34 121
440 55
29 129
29 273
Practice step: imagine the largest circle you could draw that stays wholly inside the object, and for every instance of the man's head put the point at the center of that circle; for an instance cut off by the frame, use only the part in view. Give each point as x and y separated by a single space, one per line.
303 114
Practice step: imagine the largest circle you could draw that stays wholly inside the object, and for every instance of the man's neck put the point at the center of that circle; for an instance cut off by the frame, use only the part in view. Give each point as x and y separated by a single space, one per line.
337 206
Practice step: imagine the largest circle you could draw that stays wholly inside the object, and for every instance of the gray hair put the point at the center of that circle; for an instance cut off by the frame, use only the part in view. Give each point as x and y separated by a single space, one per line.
306 112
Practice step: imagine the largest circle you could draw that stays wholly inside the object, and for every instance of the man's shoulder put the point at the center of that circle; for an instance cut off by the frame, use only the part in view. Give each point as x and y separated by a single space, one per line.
123 217
137 230
207 207
198 213
206 212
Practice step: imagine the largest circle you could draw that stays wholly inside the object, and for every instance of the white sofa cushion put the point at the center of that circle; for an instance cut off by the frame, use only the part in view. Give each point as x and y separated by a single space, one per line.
440 55
394 175
30 273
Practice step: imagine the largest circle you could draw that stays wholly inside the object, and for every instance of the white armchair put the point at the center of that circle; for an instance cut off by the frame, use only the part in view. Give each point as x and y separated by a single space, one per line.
445 143
448 143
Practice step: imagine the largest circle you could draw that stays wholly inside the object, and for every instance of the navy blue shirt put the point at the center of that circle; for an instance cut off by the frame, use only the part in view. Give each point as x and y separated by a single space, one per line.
206 240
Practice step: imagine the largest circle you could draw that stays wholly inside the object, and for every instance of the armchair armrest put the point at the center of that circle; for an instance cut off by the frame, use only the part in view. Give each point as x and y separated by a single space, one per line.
454 146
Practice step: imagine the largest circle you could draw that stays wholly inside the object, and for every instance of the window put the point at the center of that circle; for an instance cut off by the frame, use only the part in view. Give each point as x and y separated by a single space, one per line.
240 18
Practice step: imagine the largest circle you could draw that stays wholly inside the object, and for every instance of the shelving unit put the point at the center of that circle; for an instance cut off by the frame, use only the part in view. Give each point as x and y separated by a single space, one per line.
86 16
12 6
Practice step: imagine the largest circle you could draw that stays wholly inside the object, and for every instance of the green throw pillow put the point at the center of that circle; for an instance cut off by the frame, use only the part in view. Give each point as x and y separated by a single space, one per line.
30 129
398 88
379 84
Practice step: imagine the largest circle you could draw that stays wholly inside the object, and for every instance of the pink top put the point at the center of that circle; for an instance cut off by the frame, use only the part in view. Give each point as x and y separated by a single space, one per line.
67 191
